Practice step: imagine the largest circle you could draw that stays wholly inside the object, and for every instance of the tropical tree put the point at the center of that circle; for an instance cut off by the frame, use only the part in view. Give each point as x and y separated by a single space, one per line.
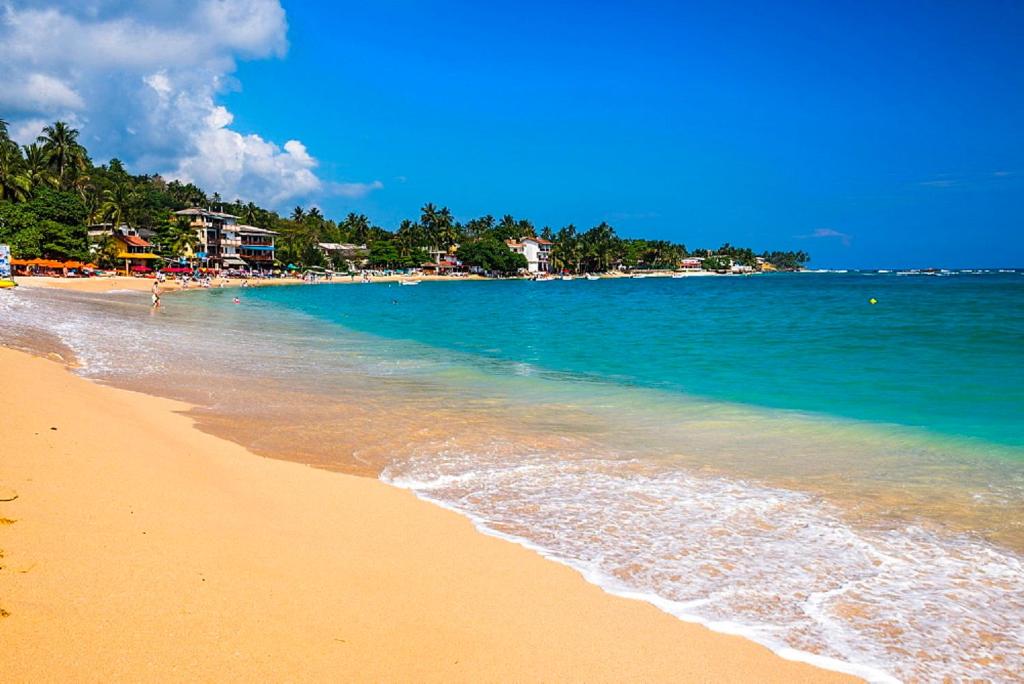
66 156
118 204
14 183
105 252
356 227
298 213
37 167
183 240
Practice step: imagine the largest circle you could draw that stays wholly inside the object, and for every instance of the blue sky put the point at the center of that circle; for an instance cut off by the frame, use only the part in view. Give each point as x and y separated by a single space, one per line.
869 134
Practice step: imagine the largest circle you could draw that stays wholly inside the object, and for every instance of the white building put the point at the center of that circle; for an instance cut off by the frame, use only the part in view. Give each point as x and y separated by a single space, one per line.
354 256
536 250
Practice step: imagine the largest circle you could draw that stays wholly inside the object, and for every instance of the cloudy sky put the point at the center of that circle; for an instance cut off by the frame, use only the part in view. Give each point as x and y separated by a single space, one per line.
142 81
868 133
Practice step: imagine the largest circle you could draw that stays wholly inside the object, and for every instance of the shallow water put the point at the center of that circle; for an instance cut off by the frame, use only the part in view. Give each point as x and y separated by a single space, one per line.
696 455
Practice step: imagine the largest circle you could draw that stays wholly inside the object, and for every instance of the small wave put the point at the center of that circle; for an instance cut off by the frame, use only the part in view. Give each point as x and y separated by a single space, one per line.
779 567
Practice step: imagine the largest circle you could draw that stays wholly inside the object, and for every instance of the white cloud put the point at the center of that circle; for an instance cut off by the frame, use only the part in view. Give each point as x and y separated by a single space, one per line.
818 233
40 92
355 190
141 80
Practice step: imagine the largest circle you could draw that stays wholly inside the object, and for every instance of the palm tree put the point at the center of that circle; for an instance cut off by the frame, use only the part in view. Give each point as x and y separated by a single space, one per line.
65 154
250 214
183 240
37 167
106 251
118 204
298 213
14 184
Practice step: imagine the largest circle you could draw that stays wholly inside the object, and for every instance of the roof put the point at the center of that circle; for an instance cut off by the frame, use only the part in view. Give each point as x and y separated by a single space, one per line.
141 255
253 230
196 211
339 246
134 241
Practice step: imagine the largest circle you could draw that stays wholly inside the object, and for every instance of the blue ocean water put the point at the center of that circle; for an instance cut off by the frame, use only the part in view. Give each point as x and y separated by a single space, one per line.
772 456
945 354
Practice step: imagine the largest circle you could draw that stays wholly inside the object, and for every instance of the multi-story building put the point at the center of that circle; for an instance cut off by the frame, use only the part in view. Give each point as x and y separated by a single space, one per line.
536 250
209 227
256 247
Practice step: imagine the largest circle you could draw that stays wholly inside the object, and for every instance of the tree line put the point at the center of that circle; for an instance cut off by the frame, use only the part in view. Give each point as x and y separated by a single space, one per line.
50 191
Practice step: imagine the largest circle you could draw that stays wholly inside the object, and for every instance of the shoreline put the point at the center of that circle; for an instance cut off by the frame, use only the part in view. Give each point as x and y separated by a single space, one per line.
114 283
468 606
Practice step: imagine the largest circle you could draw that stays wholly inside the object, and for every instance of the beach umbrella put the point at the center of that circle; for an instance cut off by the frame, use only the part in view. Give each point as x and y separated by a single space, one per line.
141 269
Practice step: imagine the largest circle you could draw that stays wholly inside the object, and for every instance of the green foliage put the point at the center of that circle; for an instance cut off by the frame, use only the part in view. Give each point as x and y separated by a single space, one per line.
19 228
59 206
787 260
716 263
492 256
50 190
384 254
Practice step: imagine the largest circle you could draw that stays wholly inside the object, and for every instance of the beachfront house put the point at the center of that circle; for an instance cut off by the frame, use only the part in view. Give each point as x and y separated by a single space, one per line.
135 252
256 248
536 250
691 263
344 254
209 227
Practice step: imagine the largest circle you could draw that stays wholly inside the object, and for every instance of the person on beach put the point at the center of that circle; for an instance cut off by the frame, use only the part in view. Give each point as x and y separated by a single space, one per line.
156 294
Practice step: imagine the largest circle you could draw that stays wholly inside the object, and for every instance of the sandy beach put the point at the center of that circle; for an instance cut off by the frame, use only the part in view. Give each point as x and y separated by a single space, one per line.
138 548
108 284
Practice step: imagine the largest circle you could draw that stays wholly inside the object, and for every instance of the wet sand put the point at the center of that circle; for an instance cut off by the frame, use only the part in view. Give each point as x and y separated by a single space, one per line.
135 547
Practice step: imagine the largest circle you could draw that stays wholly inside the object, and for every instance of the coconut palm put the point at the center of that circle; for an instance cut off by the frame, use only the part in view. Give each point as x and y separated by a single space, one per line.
14 184
37 167
118 204
66 156
183 240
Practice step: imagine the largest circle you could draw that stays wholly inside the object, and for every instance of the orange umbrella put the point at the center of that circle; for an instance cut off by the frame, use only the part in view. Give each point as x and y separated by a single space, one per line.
90 265
72 264
36 262
19 262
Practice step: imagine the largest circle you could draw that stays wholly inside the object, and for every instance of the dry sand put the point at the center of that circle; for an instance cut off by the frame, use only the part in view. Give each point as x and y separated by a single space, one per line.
140 549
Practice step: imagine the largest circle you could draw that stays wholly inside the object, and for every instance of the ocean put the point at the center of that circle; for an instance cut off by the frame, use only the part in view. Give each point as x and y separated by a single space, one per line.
773 456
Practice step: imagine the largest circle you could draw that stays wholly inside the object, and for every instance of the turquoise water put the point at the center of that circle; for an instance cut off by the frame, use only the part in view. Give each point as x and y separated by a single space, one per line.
771 456
941 353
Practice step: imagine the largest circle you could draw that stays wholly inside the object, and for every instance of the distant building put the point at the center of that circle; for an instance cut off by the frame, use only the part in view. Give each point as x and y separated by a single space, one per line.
691 263
352 255
536 250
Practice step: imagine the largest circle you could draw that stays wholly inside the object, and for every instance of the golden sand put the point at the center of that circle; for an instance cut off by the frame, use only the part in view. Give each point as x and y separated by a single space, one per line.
135 547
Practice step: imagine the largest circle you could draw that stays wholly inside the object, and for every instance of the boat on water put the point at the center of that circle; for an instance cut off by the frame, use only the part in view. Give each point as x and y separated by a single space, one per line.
678 275
544 279
567 277
409 282
639 276
591 276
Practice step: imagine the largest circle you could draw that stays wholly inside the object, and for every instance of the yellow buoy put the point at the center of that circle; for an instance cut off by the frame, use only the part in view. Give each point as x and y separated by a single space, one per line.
872 301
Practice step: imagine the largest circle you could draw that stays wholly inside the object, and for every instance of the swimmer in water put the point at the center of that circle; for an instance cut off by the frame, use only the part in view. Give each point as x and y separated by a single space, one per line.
156 295
237 300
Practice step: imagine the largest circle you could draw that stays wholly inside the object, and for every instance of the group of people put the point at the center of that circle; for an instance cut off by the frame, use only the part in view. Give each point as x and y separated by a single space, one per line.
183 283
